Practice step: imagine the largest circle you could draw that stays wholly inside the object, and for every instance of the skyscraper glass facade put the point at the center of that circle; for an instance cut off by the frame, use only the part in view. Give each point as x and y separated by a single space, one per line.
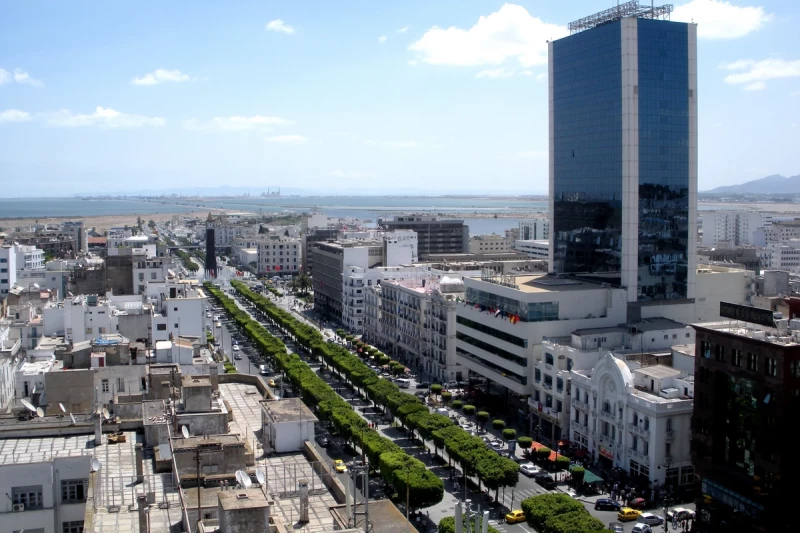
589 178
587 144
663 159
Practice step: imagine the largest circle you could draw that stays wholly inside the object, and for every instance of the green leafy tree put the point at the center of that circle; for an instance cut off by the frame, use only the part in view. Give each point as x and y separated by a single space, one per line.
448 525
446 396
577 473
509 434
468 410
525 442
457 404
543 453
498 424
436 389
482 418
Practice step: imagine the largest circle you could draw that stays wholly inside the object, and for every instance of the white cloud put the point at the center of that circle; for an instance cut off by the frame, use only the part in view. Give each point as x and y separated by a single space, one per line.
401 30
382 39
279 26
755 73
161 75
497 73
20 76
757 86
392 144
351 175
511 33
5 76
533 154
235 123
719 19
541 76
102 117
412 62
14 115
527 73
287 139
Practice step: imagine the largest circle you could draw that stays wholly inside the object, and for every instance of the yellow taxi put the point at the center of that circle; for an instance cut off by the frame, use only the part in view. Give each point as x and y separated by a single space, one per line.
515 516
626 514
339 466
271 383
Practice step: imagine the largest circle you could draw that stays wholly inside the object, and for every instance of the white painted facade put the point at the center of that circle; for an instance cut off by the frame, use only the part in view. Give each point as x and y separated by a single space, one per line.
47 496
180 312
29 257
8 268
638 420
535 229
737 227
538 249
400 247
151 270
485 244
80 318
495 346
282 255
783 255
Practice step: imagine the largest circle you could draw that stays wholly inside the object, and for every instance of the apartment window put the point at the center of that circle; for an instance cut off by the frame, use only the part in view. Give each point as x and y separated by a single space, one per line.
666 337
120 385
548 400
73 490
3 270
105 386
30 497
674 335
646 423
153 275
645 447
537 375
719 353
548 358
688 335
559 406
770 366
536 395
752 362
559 385
548 381
586 420
88 331
577 416
161 327
669 424
176 325
794 368
569 364
75 526
736 357
635 444
606 407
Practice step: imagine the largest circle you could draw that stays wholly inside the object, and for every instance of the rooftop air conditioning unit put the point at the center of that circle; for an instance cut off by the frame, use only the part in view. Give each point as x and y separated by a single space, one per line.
18 507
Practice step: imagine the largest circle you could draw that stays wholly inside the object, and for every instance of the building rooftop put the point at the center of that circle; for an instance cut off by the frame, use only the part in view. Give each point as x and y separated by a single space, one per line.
195 381
193 442
685 349
287 410
242 499
753 332
658 372
643 326
547 283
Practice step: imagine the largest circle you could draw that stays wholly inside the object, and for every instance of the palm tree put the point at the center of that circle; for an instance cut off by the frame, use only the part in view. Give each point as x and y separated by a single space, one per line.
304 282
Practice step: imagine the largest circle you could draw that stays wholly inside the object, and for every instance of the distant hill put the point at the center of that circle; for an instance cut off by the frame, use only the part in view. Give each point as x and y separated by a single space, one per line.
775 184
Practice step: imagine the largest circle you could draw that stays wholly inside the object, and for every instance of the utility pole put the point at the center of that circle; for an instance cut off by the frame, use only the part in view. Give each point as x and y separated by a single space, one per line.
197 461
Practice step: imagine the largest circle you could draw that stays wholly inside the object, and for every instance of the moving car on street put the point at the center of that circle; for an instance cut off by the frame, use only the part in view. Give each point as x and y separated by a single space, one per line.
651 519
530 470
340 467
271 383
515 516
641 528
626 514
607 504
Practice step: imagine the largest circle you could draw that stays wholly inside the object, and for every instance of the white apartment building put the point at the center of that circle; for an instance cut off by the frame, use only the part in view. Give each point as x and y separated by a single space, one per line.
400 247
636 419
9 361
556 358
225 232
503 317
783 255
29 257
80 318
123 244
179 310
279 255
485 244
535 229
414 321
535 249
8 268
151 270
77 231
46 496
734 227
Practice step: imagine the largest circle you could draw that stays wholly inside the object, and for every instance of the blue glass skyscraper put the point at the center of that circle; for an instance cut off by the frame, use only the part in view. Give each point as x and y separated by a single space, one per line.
623 152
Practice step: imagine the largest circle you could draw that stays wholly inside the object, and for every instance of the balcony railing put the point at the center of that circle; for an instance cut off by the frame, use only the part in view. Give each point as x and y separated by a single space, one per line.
606 441
669 435
635 454
638 429
608 415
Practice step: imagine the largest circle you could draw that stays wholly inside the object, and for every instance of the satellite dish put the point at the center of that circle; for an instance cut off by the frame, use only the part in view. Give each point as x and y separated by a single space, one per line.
185 432
243 479
95 464
261 477
106 414
73 419
63 409
28 405
39 412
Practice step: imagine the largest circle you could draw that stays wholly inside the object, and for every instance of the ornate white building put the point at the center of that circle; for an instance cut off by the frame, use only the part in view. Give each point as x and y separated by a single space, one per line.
637 419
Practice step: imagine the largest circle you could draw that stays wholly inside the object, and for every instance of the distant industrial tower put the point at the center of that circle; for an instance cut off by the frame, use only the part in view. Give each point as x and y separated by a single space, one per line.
211 250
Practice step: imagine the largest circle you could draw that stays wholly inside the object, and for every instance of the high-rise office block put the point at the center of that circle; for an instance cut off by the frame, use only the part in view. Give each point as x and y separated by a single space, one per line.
623 151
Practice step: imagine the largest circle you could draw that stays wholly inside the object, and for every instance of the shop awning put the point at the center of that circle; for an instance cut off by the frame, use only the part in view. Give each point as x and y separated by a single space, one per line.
590 477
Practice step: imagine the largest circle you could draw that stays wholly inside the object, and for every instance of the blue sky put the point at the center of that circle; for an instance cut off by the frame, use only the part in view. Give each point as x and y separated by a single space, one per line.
439 96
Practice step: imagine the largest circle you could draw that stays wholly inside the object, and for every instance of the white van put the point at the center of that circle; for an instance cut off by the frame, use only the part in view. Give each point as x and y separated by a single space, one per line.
403 383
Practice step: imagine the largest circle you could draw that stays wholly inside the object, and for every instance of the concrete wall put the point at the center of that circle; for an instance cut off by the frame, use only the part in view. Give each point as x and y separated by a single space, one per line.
323 469
73 388
135 326
119 274
215 423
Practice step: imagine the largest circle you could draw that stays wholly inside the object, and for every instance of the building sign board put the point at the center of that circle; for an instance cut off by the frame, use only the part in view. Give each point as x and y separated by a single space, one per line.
605 452
745 313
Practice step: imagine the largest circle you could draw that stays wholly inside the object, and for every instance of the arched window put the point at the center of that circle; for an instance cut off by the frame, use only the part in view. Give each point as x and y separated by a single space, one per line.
646 423
669 424
606 407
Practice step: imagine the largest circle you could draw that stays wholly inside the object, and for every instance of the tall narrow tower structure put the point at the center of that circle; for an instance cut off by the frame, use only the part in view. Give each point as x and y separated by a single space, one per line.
211 249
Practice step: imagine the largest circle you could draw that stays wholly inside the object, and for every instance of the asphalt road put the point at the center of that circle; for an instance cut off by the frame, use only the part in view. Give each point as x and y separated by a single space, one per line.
507 500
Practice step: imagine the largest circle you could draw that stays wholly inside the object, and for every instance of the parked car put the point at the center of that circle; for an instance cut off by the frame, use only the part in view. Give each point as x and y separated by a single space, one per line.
626 514
263 370
680 513
451 385
515 516
651 519
545 480
218 324
423 385
530 470
616 527
637 503
641 528
236 348
324 442
607 504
